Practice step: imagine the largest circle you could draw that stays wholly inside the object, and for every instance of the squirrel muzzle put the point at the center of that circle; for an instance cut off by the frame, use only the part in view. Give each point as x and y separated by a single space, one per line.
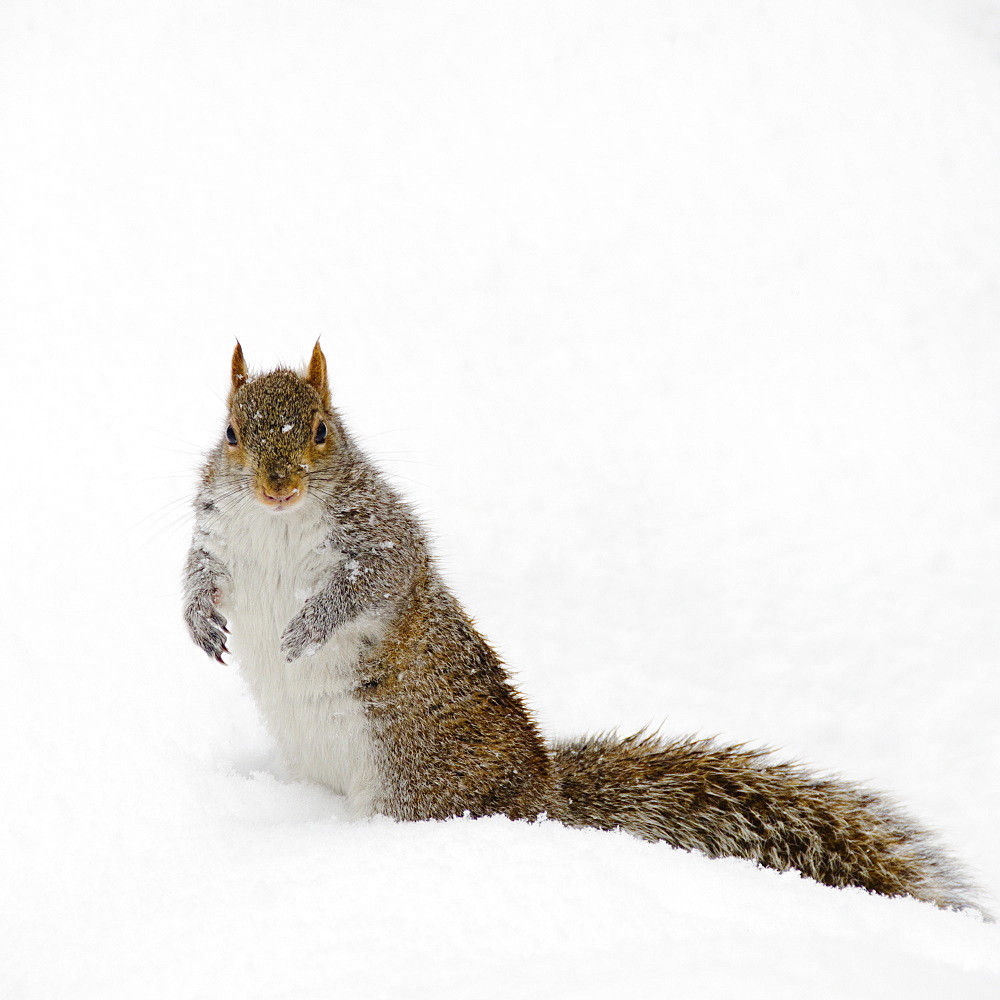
279 492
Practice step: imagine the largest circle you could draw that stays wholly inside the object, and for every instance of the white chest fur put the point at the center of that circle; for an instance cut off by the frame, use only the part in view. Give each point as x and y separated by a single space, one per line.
275 560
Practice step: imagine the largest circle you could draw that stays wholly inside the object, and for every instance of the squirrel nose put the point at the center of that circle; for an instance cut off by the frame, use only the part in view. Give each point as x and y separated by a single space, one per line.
279 491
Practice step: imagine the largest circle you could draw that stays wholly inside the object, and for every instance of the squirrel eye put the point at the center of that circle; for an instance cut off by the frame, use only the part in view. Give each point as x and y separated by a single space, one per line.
231 435
320 433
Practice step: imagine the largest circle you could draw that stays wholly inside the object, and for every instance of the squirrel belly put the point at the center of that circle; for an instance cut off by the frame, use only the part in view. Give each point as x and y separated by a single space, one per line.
375 682
274 561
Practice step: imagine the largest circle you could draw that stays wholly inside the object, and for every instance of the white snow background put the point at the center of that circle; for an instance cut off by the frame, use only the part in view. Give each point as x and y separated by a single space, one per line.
678 321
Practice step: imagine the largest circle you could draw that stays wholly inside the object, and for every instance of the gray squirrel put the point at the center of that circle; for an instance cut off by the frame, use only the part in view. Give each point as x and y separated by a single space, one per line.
374 681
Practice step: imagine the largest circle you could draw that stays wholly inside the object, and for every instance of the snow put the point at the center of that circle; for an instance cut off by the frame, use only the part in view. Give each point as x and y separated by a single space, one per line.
678 324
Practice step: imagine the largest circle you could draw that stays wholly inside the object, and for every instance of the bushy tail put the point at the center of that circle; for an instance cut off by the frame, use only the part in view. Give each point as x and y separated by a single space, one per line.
735 801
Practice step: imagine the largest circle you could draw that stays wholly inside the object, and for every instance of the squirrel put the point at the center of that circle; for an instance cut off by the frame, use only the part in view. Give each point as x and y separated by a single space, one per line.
375 682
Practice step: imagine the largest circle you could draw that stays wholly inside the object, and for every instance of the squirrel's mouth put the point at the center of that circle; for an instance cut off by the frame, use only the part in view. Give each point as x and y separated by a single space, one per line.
279 499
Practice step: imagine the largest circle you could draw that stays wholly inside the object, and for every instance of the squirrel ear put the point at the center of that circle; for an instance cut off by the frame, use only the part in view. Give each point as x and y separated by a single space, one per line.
239 368
317 375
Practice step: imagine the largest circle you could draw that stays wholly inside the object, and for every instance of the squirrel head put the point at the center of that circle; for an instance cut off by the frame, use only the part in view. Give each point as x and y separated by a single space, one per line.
281 429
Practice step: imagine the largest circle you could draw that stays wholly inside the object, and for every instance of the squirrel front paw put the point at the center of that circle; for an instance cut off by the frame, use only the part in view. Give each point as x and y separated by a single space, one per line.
308 630
208 629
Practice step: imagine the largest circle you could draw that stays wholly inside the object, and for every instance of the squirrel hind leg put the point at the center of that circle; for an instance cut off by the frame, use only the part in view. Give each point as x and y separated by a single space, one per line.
735 801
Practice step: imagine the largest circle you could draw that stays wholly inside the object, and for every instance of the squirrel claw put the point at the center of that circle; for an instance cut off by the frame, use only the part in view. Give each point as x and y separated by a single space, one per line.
306 633
207 628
